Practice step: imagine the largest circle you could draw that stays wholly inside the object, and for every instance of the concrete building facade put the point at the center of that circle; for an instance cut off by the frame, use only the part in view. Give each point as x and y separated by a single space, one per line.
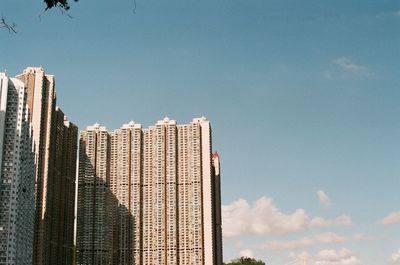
17 175
164 196
94 231
41 103
55 147
61 206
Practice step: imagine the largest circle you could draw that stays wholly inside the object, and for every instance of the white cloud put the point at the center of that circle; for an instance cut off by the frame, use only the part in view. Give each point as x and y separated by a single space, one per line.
348 66
395 257
342 220
344 67
336 257
299 256
247 253
397 13
323 198
263 217
361 237
326 238
328 75
391 219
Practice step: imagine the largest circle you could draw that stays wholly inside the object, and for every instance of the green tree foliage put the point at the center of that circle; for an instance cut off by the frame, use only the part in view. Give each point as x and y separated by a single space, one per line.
245 261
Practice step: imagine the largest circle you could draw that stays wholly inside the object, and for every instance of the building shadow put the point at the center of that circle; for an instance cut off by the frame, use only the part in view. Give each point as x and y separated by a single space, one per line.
103 225
56 220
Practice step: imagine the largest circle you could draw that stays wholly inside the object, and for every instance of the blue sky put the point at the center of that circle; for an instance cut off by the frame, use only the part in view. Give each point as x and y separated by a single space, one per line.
303 97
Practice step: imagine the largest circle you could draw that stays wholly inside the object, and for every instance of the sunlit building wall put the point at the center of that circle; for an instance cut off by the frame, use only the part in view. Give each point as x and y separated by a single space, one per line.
164 193
54 145
17 175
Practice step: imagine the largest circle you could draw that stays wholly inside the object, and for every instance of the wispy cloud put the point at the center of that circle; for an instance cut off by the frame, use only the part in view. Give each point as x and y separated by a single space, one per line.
326 238
320 239
347 65
263 217
361 237
343 67
323 198
388 15
336 257
299 256
328 75
343 220
247 253
395 258
391 219
327 257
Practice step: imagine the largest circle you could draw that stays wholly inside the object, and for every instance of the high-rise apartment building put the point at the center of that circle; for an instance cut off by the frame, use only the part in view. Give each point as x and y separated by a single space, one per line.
17 174
163 190
217 210
61 205
94 237
54 144
41 102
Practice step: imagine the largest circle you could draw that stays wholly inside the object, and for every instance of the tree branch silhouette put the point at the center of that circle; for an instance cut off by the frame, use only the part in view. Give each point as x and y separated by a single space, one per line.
62 5
12 28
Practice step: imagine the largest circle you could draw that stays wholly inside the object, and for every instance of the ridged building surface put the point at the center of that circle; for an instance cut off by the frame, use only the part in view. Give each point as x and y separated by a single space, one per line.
55 147
94 238
41 103
61 211
17 174
162 185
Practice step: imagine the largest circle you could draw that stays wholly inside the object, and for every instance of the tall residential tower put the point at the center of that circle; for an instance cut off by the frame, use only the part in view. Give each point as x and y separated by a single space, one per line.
61 205
163 190
17 175
55 147
94 236
41 103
